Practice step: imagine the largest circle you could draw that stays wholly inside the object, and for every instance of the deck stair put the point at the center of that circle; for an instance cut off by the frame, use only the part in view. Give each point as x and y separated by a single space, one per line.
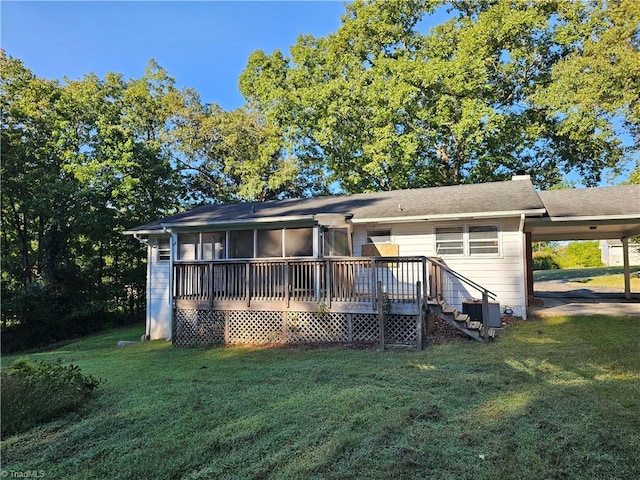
460 321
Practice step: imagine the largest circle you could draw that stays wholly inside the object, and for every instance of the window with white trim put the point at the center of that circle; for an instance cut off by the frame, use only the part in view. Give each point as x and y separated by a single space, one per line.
378 236
450 240
164 249
483 240
467 240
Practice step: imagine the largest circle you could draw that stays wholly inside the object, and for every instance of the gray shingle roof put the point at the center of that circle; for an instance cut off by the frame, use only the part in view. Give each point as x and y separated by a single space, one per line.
621 201
498 197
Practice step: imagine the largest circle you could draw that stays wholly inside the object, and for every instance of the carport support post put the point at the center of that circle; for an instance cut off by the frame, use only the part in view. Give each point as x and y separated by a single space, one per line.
627 273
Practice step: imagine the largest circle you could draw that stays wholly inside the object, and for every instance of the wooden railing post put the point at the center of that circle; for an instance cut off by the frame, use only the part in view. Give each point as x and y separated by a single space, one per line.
327 283
247 283
374 284
211 286
485 315
287 288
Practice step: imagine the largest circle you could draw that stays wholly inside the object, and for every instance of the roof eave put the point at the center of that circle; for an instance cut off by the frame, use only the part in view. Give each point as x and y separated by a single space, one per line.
449 216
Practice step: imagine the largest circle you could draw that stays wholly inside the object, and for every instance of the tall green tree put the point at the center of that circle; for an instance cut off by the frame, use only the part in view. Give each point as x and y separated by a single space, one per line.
81 162
238 155
383 105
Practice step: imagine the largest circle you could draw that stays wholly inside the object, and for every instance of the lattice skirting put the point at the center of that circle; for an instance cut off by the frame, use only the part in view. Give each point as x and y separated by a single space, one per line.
210 327
199 328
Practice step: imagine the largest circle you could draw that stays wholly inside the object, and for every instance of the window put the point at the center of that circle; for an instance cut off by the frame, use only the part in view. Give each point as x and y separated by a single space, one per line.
449 240
213 245
298 242
164 249
469 240
269 243
483 240
241 244
336 243
378 236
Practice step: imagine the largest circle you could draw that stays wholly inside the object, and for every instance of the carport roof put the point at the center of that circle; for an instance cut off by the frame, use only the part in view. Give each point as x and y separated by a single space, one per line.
588 214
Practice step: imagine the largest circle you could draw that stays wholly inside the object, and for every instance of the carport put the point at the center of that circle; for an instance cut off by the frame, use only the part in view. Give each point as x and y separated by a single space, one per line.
601 213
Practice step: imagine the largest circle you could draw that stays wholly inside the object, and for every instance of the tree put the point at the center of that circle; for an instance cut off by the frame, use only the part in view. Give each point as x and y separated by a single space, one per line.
81 162
382 105
237 156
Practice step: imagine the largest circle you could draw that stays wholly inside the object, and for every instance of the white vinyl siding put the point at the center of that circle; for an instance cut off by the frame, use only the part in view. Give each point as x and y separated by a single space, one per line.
501 273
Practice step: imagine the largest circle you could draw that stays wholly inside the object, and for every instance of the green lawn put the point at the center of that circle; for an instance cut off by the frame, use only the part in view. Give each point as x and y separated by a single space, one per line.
570 273
558 398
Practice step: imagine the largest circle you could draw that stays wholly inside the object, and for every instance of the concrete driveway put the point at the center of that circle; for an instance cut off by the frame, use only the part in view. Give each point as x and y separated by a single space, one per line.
559 306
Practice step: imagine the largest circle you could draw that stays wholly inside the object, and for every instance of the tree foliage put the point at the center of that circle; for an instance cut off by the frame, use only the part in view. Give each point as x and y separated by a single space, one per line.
501 86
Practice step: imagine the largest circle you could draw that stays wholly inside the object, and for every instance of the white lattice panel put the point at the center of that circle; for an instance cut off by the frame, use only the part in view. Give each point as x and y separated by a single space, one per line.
254 327
198 328
311 327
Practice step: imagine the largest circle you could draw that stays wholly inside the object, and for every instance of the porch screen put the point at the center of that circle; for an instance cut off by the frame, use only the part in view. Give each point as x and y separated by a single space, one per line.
269 243
241 244
336 243
298 242
213 245
187 246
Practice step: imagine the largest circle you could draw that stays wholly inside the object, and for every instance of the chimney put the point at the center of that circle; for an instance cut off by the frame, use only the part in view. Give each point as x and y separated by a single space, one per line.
521 175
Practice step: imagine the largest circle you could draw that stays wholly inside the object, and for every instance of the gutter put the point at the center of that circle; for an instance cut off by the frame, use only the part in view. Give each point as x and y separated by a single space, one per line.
205 223
448 216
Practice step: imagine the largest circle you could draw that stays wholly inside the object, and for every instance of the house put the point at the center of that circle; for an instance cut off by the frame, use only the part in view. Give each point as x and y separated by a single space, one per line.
363 267
611 253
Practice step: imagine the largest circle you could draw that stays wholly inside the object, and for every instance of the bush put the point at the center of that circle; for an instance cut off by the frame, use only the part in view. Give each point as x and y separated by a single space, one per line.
35 393
545 260
580 254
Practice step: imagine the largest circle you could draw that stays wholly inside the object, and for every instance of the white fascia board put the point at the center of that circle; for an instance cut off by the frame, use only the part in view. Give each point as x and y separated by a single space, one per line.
142 232
448 216
595 218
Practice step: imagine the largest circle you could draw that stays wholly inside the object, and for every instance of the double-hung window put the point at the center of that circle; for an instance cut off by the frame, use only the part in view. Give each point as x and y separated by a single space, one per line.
467 240
483 240
450 240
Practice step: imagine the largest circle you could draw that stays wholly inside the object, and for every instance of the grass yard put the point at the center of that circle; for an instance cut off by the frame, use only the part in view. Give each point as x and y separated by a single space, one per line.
557 398
609 281
570 273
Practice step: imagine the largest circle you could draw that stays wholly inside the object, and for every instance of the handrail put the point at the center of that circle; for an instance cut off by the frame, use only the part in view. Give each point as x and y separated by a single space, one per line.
462 278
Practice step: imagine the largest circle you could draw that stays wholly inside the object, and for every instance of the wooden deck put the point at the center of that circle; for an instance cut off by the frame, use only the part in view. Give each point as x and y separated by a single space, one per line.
342 285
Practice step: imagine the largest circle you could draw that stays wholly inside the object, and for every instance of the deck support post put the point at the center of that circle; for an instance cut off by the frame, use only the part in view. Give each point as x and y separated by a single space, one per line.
419 317
380 302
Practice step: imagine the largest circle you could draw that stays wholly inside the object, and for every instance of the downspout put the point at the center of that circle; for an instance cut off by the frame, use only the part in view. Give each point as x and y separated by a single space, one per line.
172 244
145 241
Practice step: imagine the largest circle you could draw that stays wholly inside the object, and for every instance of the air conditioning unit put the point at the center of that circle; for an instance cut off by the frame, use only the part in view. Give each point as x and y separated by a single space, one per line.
473 308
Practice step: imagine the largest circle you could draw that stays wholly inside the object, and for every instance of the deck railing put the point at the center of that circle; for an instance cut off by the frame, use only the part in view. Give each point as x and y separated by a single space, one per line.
336 279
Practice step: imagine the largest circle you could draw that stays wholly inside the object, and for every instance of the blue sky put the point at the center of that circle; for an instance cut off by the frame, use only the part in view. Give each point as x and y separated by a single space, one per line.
204 45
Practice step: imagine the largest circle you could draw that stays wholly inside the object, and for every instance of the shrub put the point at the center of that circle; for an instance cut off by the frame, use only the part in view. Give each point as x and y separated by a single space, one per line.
580 254
545 260
37 392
